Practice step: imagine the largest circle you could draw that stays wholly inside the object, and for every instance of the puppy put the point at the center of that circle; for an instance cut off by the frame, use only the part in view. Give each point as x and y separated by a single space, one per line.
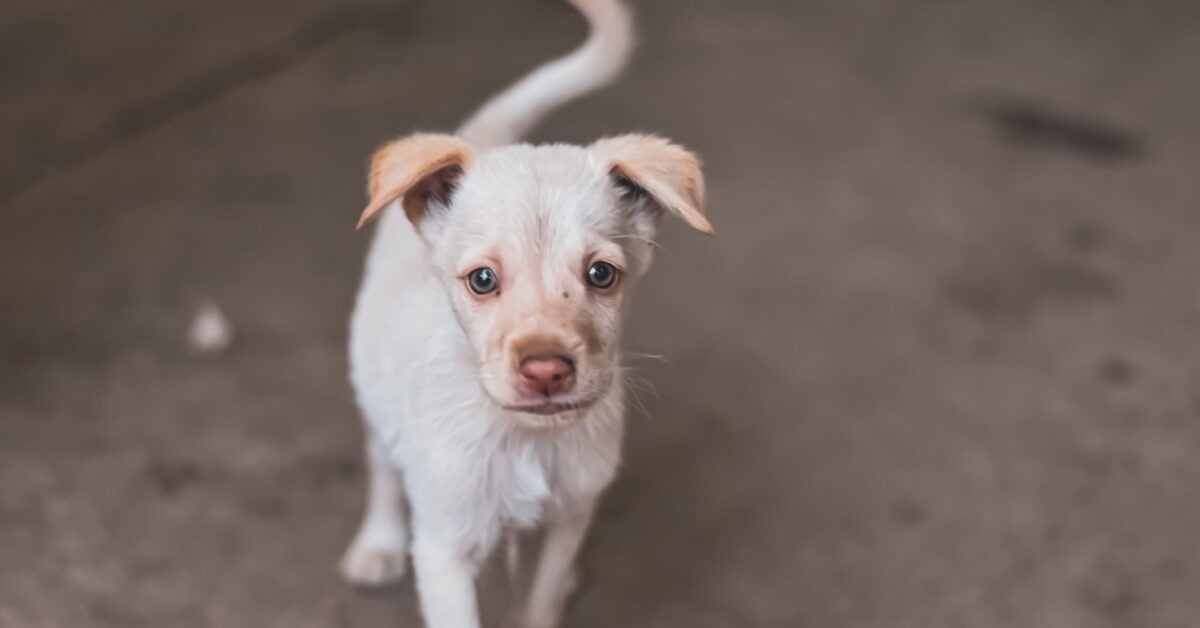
484 339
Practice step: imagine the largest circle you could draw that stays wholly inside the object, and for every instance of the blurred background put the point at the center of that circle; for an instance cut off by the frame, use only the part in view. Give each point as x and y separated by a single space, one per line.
937 369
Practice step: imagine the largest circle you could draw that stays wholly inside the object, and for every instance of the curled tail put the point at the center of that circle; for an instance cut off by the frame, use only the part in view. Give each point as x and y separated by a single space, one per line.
507 116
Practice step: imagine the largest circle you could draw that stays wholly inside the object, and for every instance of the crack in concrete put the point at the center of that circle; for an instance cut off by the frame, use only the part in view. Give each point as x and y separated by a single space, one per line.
202 89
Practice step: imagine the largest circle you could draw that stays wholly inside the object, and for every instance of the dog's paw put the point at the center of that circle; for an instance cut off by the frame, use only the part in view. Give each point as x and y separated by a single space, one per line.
374 566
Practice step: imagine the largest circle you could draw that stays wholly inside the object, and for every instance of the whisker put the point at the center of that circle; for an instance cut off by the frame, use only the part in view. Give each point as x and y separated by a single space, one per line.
641 406
643 385
649 241
647 356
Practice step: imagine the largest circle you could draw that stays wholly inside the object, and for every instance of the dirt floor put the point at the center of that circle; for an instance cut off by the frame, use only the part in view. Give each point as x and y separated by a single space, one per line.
938 369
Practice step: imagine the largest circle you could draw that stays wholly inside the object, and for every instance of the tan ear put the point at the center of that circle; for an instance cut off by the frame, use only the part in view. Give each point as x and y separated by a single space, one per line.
415 169
668 173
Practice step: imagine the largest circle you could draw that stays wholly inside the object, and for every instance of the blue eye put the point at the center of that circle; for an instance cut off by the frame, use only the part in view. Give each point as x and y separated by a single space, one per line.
482 281
602 275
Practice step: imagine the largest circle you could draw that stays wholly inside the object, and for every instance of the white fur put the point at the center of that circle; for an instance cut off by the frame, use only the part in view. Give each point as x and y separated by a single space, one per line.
432 364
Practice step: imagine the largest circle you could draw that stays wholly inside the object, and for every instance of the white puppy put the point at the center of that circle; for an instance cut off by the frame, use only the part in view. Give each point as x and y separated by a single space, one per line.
484 340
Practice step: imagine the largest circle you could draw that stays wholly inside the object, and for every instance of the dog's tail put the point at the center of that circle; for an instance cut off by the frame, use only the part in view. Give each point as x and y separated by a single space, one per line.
507 116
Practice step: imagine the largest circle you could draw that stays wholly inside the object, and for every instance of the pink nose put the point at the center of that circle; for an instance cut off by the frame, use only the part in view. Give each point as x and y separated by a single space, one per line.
546 375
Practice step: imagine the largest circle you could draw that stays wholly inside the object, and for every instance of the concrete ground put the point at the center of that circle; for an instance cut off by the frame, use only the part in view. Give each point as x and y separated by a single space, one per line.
938 369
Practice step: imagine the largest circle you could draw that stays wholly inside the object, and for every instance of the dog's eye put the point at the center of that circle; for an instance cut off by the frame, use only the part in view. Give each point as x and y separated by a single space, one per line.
601 275
482 281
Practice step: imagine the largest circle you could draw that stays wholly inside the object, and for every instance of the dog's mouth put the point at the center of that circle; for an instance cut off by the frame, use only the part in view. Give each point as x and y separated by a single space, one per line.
548 407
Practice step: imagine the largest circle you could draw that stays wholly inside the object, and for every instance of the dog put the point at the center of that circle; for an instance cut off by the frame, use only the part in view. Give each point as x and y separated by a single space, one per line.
484 339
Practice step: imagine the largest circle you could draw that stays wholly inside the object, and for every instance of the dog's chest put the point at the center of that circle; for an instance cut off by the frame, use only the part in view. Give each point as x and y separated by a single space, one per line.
522 482
530 479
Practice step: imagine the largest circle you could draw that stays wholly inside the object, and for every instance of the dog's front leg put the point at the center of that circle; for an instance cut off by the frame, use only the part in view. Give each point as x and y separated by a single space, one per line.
555 577
446 585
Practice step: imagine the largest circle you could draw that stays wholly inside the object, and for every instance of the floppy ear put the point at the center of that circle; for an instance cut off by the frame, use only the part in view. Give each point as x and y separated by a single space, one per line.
416 169
668 174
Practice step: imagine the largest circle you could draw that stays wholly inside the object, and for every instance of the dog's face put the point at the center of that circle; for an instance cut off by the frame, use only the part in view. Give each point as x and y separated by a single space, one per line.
538 249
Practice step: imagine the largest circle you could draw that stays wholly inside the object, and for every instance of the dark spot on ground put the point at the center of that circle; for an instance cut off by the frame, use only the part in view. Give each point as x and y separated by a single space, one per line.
1015 292
1085 237
149 567
109 611
908 513
1116 371
1034 125
264 505
318 471
1108 591
171 477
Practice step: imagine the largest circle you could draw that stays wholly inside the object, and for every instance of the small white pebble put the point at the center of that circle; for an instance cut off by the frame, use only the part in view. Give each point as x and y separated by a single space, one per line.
211 331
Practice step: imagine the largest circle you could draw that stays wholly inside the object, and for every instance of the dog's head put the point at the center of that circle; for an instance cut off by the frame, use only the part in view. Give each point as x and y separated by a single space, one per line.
539 248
